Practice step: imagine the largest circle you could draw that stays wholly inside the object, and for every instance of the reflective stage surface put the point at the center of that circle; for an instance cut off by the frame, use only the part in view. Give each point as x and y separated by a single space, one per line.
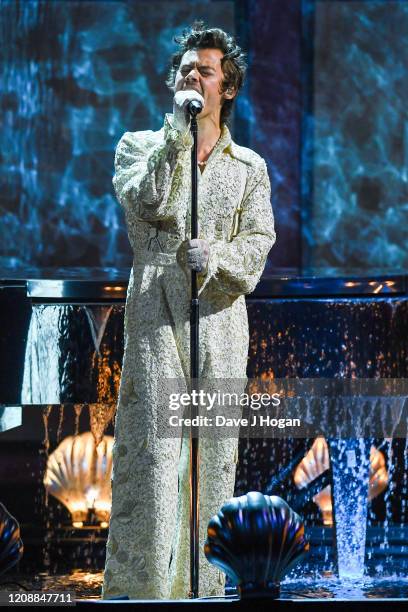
87 585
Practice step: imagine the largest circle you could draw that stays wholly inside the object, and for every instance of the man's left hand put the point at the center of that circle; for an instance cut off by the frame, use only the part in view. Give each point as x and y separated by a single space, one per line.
198 252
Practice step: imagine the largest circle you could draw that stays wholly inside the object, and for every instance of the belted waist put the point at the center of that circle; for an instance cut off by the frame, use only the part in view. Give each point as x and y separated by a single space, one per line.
143 256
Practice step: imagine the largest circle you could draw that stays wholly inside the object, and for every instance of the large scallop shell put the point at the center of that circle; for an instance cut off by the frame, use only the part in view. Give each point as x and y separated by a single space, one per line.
317 461
314 463
78 474
255 539
11 545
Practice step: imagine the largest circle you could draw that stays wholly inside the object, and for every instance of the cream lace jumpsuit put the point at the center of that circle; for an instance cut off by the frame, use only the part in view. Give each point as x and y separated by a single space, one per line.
149 525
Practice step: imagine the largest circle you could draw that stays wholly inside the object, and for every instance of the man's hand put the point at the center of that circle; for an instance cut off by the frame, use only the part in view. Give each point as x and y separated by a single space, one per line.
198 252
181 118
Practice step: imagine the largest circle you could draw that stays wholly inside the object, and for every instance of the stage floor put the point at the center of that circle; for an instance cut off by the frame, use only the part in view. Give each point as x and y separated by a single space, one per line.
389 593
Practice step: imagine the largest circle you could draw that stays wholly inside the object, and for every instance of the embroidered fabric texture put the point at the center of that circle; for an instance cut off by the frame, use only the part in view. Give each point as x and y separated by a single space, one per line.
148 543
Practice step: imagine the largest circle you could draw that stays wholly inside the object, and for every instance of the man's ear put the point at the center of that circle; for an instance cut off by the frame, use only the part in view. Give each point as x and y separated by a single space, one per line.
230 93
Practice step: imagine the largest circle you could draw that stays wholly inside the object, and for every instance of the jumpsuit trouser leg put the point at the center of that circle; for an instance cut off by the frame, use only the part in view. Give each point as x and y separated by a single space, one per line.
218 457
144 502
144 474
218 460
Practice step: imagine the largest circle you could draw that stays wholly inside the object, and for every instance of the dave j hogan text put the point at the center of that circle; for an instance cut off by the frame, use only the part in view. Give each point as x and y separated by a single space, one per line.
256 420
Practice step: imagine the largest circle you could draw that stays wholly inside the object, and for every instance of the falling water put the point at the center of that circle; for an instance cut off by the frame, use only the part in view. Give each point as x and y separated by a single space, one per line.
49 522
77 410
41 382
405 486
350 462
43 375
10 417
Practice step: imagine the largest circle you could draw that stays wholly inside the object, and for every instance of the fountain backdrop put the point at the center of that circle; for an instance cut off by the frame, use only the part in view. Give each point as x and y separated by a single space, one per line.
324 104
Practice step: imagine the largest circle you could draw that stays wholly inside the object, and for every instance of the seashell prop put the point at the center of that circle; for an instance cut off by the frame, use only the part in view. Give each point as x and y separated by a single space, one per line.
78 475
255 539
378 473
316 461
11 545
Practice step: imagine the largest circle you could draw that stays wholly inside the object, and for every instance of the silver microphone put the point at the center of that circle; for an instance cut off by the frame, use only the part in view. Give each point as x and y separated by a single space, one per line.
194 107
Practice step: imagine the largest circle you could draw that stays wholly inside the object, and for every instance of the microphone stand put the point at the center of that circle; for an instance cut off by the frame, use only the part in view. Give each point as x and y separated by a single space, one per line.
193 110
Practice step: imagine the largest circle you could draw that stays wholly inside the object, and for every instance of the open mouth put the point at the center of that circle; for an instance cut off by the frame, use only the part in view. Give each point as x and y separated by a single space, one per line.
192 89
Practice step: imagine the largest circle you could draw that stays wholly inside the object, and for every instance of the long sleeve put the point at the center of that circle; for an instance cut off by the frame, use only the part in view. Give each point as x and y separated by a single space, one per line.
147 171
235 267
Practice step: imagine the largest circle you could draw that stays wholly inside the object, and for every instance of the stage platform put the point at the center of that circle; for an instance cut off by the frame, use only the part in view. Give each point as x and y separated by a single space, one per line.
286 605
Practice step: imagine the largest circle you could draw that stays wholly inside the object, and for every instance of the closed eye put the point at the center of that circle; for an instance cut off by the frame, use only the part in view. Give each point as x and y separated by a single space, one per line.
203 70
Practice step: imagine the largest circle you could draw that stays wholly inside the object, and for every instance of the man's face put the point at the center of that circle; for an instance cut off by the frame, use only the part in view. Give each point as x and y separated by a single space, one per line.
200 69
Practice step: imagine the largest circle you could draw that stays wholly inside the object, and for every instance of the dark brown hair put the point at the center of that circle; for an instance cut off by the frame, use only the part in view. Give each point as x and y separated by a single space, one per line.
233 62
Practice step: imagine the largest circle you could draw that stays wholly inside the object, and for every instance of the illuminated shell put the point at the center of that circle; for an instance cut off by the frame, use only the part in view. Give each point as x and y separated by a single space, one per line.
316 461
11 546
78 474
378 473
255 539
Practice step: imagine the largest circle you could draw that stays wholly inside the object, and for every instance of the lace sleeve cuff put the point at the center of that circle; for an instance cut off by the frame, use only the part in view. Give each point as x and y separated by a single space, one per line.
181 141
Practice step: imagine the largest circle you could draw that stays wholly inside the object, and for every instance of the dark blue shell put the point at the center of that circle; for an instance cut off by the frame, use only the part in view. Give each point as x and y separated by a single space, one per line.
255 539
11 546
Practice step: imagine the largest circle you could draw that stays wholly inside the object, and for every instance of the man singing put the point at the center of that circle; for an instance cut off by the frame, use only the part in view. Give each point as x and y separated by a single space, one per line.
148 543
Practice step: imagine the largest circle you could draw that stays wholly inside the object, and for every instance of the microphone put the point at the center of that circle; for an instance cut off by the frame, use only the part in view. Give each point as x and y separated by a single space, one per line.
194 107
